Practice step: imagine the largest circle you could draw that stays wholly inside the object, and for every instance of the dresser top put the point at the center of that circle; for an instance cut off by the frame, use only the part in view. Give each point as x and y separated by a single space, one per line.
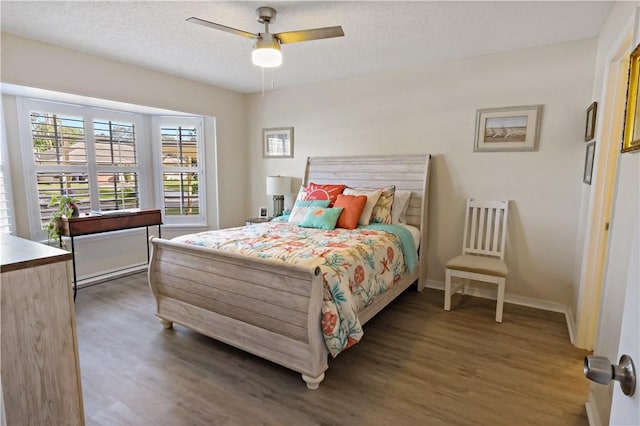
18 253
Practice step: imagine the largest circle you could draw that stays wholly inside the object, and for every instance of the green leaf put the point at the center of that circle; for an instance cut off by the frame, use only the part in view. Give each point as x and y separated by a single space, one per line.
338 295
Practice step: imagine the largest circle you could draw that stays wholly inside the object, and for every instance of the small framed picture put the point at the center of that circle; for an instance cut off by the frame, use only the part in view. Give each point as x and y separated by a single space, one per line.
631 136
590 127
263 212
508 129
588 162
277 142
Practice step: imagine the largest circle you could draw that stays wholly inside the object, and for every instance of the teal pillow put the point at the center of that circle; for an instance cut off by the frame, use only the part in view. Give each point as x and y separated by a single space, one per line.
301 208
321 218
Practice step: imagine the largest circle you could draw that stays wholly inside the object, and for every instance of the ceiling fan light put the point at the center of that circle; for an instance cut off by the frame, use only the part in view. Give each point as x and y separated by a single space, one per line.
267 53
266 57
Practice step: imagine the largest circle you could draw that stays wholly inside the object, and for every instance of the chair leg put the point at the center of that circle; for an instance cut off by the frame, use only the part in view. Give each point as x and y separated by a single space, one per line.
447 290
500 301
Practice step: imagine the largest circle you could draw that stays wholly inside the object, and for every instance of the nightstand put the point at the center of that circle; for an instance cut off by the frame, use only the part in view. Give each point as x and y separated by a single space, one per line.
256 220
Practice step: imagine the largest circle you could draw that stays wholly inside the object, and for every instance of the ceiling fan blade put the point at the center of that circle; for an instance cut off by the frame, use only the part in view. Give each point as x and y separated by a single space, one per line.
221 27
306 35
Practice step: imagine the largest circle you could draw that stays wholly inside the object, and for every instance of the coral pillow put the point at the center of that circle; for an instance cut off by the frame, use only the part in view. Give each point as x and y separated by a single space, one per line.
323 192
352 209
321 218
372 200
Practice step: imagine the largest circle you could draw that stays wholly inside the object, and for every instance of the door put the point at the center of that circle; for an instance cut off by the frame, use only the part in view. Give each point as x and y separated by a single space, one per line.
625 410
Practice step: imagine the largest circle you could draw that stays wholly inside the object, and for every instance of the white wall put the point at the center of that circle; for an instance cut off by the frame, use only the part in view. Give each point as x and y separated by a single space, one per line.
432 109
29 63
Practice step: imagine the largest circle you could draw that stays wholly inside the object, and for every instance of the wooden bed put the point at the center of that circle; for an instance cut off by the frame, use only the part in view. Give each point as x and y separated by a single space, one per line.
180 275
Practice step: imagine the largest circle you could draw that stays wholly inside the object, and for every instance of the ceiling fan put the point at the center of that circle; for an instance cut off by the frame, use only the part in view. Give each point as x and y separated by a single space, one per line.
267 52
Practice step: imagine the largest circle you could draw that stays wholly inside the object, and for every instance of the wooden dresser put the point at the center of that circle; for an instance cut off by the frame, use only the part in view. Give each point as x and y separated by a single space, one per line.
40 368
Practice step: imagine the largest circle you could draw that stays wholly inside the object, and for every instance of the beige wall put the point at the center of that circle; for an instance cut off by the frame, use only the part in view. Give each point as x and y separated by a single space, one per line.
432 109
428 109
29 63
34 64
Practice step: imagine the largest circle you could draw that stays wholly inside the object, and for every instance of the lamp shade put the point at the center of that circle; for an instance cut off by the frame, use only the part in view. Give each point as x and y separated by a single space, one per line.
267 53
278 185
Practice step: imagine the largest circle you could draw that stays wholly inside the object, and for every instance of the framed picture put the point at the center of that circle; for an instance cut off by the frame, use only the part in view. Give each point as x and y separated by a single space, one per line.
590 127
588 162
277 142
631 136
508 129
263 212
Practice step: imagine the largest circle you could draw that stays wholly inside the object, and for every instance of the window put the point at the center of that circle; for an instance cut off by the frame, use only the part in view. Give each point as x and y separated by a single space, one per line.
181 188
86 153
60 156
66 148
112 160
116 163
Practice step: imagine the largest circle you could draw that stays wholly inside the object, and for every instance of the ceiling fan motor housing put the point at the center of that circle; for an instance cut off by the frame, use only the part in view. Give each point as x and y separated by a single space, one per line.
266 15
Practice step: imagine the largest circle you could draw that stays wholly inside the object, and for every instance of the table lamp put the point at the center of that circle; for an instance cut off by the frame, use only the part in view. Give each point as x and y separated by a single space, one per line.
278 186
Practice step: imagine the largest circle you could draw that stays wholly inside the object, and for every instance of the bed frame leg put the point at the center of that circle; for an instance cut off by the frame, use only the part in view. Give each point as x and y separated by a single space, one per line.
313 382
166 324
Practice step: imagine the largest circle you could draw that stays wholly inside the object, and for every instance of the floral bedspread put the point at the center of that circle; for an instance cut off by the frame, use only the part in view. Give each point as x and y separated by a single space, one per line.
356 266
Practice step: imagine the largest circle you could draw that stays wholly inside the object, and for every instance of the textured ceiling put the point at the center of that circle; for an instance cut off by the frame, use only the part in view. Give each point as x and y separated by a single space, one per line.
379 35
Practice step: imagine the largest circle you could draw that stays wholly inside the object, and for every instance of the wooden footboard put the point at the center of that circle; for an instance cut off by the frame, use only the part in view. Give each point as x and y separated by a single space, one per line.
263 307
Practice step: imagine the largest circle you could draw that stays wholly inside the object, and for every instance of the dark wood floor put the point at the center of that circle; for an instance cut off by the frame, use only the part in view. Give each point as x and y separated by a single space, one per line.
417 365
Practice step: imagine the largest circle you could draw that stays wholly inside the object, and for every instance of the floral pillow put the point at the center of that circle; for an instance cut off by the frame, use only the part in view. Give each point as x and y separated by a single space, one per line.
382 210
321 218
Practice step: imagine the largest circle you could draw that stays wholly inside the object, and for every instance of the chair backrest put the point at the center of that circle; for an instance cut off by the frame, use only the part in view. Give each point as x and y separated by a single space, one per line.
485 228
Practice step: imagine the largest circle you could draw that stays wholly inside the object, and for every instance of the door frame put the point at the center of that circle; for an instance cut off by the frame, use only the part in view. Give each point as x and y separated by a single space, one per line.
601 195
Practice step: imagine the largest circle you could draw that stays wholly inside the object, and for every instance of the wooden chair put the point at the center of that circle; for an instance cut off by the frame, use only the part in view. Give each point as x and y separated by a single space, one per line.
482 258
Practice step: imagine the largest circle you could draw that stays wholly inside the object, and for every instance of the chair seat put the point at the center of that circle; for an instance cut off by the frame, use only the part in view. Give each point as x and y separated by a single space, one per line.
479 264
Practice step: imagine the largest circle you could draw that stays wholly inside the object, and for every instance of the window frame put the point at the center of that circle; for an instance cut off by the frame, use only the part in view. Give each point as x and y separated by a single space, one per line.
158 121
5 171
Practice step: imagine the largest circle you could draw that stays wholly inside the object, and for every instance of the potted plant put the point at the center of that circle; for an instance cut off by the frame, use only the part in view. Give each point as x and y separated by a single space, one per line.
67 207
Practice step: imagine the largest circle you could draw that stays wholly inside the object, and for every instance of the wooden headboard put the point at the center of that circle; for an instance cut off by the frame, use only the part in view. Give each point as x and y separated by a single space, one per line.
406 172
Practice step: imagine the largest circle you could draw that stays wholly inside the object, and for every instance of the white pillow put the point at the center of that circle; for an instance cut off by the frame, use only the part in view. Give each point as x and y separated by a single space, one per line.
399 206
372 198
302 193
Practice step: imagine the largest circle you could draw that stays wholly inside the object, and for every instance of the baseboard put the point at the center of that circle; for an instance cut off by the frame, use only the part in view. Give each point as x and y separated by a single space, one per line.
571 324
111 274
545 305
592 411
